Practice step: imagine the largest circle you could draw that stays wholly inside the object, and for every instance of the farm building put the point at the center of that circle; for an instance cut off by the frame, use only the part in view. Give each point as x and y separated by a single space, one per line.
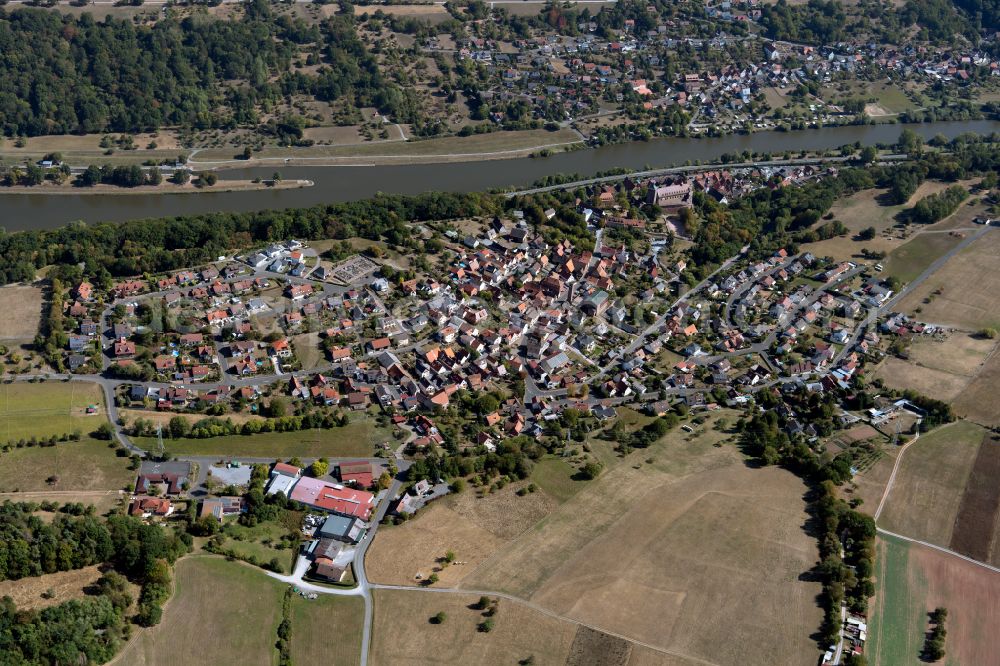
334 498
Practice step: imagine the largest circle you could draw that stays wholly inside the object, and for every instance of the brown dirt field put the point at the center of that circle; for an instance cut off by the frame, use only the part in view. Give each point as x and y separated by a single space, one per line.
971 288
859 433
978 401
436 530
926 495
163 418
22 308
503 513
418 10
974 533
470 526
103 500
972 596
402 634
708 555
942 368
221 612
27 592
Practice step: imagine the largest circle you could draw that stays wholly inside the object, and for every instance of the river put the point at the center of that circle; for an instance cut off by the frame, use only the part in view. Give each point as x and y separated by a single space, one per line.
340 183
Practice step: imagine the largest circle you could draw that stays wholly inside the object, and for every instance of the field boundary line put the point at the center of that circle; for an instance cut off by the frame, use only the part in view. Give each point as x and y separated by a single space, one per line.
895 468
941 549
543 611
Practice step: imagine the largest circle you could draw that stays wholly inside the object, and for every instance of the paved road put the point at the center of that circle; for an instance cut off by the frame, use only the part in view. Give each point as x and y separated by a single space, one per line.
363 588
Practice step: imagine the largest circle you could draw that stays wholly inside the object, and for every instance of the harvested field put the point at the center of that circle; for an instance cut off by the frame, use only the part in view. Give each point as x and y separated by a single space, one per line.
102 500
969 285
221 612
978 401
22 308
48 408
471 528
68 466
975 534
705 555
27 593
415 10
926 495
402 633
912 580
942 367
312 623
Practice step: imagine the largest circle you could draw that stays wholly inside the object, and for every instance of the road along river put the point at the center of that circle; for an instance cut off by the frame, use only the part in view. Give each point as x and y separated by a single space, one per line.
347 183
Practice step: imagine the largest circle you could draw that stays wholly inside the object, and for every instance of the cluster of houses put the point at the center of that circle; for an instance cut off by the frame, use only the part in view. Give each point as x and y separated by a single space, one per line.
563 77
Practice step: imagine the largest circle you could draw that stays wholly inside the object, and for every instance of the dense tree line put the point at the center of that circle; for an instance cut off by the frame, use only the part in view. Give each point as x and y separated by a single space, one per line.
31 547
936 207
152 246
62 74
817 22
84 631
846 537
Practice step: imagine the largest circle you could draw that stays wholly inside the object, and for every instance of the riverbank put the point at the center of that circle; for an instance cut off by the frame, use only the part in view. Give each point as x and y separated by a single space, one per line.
443 150
166 187
36 210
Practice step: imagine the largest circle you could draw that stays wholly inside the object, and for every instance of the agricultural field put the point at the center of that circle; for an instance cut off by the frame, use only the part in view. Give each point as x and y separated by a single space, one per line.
911 259
472 528
978 401
313 620
912 580
707 543
22 308
976 525
969 286
943 367
927 494
403 634
87 465
37 592
48 408
220 613
357 439
476 528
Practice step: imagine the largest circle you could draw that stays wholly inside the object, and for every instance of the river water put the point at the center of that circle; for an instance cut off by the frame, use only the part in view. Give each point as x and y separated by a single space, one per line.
346 183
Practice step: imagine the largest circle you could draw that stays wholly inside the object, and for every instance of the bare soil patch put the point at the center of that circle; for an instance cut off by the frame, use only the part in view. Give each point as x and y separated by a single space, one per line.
30 593
974 533
22 308
972 596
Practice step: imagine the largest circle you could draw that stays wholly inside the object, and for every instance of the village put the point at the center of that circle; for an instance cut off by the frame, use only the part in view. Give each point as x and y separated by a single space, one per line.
653 74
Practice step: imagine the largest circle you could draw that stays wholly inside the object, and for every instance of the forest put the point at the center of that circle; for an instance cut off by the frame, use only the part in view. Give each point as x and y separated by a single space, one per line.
91 629
62 74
